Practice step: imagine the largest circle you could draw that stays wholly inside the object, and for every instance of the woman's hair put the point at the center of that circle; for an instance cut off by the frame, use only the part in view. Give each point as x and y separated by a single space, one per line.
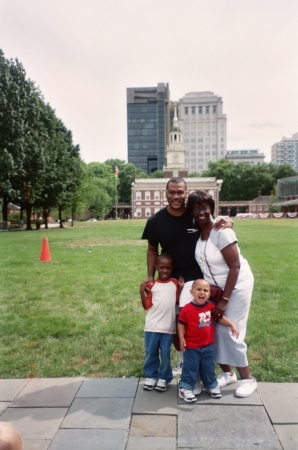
200 198
10 438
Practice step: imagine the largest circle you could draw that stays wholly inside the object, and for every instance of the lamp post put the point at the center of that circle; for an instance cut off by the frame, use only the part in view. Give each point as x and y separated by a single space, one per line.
116 177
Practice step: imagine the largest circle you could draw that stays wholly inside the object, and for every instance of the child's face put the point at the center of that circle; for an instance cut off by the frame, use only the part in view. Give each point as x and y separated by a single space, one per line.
164 268
200 291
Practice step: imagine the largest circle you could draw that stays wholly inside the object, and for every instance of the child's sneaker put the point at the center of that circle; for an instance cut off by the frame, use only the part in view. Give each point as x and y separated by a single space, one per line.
161 385
225 378
149 384
187 396
177 370
214 392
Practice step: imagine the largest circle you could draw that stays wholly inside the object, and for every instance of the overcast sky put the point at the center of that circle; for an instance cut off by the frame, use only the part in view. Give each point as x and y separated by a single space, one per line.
84 54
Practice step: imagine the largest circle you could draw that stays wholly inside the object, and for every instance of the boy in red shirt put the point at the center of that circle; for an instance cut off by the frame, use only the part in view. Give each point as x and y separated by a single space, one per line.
196 336
160 300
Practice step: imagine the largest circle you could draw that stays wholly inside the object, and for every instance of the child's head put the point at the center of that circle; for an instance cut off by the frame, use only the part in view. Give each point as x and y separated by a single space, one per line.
10 438
201 291
164 266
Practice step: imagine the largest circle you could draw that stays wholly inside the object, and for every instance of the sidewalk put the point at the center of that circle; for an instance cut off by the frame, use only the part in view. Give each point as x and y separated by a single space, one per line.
117 414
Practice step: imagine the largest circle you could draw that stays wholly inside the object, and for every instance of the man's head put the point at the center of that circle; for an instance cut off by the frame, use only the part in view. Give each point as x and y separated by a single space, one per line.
164 266
200 291
176 193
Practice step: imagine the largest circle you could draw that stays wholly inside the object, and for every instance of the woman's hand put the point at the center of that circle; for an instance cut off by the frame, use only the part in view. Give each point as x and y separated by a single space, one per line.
219 309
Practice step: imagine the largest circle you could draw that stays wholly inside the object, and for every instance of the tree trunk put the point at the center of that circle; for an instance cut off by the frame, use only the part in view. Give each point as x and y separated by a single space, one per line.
45 217
29 211
60 216
4 208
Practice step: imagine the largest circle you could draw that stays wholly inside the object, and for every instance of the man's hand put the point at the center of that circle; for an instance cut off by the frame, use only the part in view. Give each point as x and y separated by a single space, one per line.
223 222
181 282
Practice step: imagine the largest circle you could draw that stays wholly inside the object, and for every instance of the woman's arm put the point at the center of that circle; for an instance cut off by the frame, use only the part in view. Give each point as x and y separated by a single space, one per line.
231 257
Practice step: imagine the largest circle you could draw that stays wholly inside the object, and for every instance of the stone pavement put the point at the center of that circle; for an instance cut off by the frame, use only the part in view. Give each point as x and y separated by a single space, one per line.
117 414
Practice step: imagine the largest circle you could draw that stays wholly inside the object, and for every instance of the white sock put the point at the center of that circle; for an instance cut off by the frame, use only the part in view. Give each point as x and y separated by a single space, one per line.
180 354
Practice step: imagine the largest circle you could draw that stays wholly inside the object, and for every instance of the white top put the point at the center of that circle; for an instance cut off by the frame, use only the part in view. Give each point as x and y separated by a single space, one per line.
161 317
211 249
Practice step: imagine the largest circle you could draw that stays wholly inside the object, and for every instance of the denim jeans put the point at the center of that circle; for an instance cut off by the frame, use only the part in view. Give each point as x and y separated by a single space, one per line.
198 361
158 356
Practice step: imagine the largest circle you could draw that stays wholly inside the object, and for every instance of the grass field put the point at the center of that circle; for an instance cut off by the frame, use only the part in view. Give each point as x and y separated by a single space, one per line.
80 315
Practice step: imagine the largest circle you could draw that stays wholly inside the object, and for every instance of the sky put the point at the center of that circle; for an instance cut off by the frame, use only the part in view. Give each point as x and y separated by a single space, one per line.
84 54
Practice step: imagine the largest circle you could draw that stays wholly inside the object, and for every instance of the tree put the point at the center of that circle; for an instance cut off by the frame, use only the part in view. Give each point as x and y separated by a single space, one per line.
230 173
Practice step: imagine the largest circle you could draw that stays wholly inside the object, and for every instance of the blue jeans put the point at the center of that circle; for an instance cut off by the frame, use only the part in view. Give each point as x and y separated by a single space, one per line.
158 356
198 361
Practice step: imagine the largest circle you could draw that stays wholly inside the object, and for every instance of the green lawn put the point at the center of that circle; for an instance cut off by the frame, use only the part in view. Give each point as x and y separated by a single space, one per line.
81 314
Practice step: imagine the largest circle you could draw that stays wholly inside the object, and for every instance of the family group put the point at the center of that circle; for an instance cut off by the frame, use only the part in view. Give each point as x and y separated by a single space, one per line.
199 301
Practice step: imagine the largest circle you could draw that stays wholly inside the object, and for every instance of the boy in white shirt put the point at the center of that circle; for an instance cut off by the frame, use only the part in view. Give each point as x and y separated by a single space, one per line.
160 300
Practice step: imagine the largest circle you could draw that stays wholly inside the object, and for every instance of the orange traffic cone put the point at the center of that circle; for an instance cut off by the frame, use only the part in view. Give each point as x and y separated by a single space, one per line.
45 251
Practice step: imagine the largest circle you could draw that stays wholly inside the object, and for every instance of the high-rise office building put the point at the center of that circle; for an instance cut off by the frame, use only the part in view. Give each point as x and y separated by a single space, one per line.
286 152
248 157
148 126
204 128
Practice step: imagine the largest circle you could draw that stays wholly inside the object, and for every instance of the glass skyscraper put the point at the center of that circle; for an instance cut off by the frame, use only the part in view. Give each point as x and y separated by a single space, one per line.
148 126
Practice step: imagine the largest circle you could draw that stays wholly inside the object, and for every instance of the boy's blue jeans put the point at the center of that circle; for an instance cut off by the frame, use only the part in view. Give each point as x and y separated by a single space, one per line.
198 361
158 356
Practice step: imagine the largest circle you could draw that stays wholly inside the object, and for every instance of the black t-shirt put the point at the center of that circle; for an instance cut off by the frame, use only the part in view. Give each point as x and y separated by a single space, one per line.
171 233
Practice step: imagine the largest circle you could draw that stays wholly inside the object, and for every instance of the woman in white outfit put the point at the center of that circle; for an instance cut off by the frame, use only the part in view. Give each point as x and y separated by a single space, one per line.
219 258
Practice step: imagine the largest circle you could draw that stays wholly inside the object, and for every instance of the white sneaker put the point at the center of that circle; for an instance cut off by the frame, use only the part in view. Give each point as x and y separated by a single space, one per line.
198 388
214 392
188 396
225 378
161 385
246 388
149 384
177 370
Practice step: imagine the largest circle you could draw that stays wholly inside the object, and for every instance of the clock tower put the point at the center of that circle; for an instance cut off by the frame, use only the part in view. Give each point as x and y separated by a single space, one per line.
175 153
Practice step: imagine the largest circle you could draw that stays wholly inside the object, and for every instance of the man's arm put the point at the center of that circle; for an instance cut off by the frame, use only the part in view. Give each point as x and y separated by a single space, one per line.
152 254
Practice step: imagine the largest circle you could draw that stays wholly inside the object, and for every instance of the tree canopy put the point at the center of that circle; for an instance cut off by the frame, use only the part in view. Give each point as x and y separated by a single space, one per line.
242 181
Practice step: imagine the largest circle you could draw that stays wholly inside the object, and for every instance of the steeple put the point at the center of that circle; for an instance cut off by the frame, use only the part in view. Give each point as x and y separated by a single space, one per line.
175 155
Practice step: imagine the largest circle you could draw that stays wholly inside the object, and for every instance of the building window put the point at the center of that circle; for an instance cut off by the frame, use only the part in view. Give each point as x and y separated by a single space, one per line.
148 212
138 211
207 109
147 195
138 196
214 109
186 110
156 195
266 208
253 208
260 208
200 109
193 109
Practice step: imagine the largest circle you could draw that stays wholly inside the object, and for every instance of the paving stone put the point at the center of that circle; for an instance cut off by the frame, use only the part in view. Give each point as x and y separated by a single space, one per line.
153 402
37 444
48 392
89 440
213 426
280 401
35 423
109 387
228 398
3 406
288 436
151 443
154 426
110 413
9 389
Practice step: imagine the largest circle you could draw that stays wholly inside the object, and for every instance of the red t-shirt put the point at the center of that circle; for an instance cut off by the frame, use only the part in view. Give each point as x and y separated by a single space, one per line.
199 324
